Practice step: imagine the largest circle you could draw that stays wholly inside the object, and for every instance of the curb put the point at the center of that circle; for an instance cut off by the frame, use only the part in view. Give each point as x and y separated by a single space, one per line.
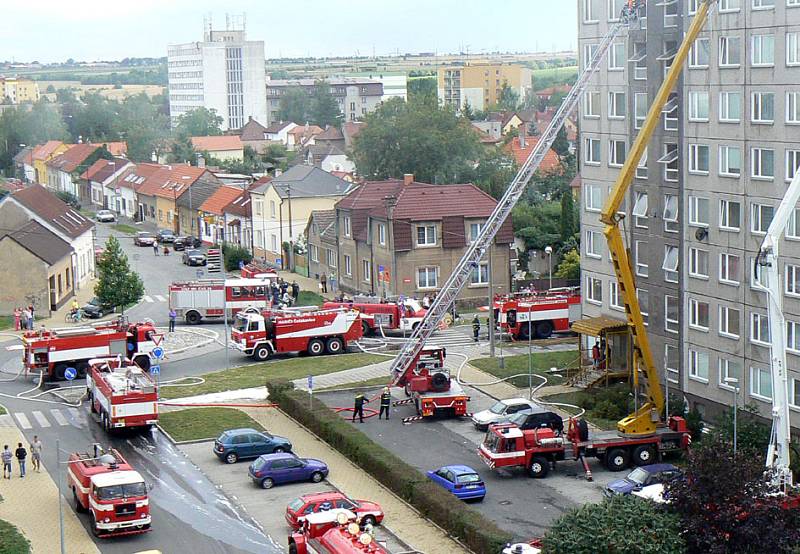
178 443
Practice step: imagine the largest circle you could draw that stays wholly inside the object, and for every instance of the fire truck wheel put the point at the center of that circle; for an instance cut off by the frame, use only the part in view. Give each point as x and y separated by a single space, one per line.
58 372
416 405
261 353
369 520
540 466
544 329
293 548
644 454
78 506
106 423
335 345
407 389
91 404
365 329
523 332
143 362
617 459
193 318
267 483
316 477
95 531
83 369
316 347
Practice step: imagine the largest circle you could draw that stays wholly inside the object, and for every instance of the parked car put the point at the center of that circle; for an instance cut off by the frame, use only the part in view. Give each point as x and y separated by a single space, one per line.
184 242
463 481
165 235
502 411
642 477
194 257
94 309
299 508
105 216
238 444
532 547
272 469
538 418
144 238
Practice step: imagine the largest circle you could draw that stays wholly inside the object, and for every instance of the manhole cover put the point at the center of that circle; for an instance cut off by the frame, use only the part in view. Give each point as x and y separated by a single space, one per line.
505 503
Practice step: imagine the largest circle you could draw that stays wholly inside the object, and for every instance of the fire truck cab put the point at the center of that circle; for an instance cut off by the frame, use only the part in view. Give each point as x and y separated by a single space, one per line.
333 532
377 314
537 314
431 386
121 394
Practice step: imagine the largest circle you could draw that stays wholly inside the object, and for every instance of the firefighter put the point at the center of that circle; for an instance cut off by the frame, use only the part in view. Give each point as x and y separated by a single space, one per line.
476 327
358 408
386 401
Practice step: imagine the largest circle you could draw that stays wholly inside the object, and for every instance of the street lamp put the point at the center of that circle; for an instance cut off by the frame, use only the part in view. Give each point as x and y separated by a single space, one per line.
734 382
549 251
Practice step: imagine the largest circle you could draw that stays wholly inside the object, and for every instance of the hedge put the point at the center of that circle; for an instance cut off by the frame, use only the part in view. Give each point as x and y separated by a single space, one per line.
473 529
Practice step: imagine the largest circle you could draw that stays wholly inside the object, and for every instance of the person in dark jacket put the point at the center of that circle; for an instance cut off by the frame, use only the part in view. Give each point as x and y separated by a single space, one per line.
21 454
476 327
386 401
295 290
358 408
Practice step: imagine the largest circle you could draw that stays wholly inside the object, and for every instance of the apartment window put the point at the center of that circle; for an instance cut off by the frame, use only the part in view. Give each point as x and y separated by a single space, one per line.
589 50
670 111
272 208
698 159
792 228
640 210
670 265
670 13
761 217
793 336
614 300
347 228
698 314
592 151
763 54
593 198
330 257
594 290
366 271
641 167
762 163
730 161
670 213
589 16
728 369
758 278
792 163
382 234
672 357
793 107
616 153
730 51
728 322
426 277
763 107
759 329
698 105
426 235
670 161
643 297
792 280
593 241
639 61
274 243
693 6
698 263
615 9
480 274
698 365
698 211
616 105
348 265
793 46
258 207
671 306
616 58
729 5
591 104
763 4
698 55
730 107
640 109
730 215
640 254
760 383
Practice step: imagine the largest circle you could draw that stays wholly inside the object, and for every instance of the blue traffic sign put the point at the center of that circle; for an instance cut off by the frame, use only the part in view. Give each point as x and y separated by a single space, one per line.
310 382
70 373
158 352
241 264
155 369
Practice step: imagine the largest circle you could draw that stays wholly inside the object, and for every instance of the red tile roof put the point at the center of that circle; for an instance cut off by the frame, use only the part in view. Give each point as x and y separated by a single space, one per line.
240 205
51 210
115 148
170 181
44 151
102 169
370 195
134 177
330 133
549 163
218 143
221 197
439 201
303 130
70 160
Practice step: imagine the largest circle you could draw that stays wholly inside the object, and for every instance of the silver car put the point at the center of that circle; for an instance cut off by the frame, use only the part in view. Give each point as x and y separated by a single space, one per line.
105 216
502 411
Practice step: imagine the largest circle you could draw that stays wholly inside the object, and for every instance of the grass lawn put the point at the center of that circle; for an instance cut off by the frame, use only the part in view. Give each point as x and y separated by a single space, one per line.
541 362
374 382
6 321
204 423
309 298
11 540
552 72
123 228
257 374
3 411
604 406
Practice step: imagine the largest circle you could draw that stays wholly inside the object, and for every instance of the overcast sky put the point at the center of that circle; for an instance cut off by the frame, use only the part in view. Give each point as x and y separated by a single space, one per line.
88 30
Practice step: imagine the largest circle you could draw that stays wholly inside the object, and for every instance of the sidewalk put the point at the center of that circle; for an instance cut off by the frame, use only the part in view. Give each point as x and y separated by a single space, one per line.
31 504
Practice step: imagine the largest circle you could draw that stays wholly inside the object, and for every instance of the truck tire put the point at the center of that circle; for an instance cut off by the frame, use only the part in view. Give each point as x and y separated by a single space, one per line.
316 347
416 405
617 459
106 423
261 353
523 331
83 369
544 329
193 318
142 361
78 506
539 468
366 330
293 548
334 345
95 531
644 454
58 372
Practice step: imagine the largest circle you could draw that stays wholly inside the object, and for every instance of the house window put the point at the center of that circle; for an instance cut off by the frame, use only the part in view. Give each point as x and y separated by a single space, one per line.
761 218
616 58
757 276
382 234
258 207
670 111
670 13
640 109
698 105
760 383
730 107
728 322
730 161
698 263
593 198
347 229
671 307
671 213
693 6
728 369
763 54
670 265
762 163
698 211
759 329
641 258
366 271
639 61
763 107
594 290
589 50
426 277
730 51
763 4
260 244
313 249
640 210
792 280
698 365
641 167
592 151
614 300
698 159
591 104
589 16
793 336
793 107
475 230
792 163
794 386
160 215
698 55
330 257
616 105
730 214
272 209
479 275
729 268
348 265
274 243
793 46
698 314
615 9
593 242
616 153
670 161
672 356
426 235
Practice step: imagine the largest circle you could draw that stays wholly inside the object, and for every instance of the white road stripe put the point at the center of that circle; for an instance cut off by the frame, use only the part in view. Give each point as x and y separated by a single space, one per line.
59 417
148 299
23 420
39 416
160 298
74 417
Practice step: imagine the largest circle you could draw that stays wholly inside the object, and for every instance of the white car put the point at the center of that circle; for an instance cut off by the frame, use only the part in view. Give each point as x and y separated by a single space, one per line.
105 216
654 493
502 411
521 548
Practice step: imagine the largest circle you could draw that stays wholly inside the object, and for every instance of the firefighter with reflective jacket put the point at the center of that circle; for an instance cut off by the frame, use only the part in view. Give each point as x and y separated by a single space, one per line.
476 327
358 408
386 401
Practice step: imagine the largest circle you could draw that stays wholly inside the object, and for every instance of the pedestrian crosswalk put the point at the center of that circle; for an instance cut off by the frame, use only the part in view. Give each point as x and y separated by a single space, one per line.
58 417
158 298
452 336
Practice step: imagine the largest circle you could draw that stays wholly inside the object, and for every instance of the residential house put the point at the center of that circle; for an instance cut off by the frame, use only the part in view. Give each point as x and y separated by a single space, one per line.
202 184
282 206
222 147
279 131
42 154
350 130
326 157
356 97
331 136
129 183
481 85
63 170
17 90
546 93
302 135
212 230
403 237
35 268
36 203
254 135
23 163
323 244
491 130
99 184
521 147
238 219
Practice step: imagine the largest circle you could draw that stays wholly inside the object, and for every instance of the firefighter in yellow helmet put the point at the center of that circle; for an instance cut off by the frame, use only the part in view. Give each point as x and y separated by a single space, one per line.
386 401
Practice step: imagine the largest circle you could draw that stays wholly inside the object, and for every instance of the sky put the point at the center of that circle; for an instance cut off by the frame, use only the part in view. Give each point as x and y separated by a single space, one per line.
90 30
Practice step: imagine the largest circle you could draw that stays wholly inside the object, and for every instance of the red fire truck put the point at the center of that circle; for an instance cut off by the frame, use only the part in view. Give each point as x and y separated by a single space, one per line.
333 532
434 391
536 450
52 351
402 315
115 495
260 335
538 313
121 394
195 301
255 270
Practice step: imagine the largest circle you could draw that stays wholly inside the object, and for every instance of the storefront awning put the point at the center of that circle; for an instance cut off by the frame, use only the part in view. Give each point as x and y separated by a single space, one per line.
595 325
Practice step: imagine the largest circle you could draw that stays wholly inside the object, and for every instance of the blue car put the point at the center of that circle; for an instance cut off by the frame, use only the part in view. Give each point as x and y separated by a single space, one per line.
642 477
272 469
463 481
240 444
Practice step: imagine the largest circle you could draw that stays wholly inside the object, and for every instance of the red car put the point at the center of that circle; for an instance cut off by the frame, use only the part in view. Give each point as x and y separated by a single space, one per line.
367 512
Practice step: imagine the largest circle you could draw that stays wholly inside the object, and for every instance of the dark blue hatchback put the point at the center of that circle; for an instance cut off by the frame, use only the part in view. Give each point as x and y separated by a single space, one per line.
239 444
463 481
642 477
272 469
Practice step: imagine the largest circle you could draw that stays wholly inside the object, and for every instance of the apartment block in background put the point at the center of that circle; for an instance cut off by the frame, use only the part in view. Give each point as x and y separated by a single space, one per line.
356 96
480 85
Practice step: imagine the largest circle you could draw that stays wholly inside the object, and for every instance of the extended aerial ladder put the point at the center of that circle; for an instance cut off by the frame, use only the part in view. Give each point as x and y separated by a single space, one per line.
480 247
766 268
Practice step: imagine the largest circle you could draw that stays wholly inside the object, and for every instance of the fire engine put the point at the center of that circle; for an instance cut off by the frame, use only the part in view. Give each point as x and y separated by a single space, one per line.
115 495
254 270
427 381
121 394
333 532
260 335
402 315
539 314
536 450
52 351
195 301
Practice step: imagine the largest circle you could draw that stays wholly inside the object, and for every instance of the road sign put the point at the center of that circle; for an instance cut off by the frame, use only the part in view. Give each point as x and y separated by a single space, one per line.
155 369
70 373
200 273
241 264
310 383
158 352
279 262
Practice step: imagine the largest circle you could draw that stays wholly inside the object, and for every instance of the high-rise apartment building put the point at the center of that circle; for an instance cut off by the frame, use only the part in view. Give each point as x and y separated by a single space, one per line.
225 72
726 145
356 96
480 85
18 91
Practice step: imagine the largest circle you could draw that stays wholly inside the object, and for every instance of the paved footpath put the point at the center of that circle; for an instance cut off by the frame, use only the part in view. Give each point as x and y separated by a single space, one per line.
32 504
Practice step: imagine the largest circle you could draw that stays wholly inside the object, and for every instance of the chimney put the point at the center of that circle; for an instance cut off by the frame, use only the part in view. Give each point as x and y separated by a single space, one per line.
521 129
408 178
201 161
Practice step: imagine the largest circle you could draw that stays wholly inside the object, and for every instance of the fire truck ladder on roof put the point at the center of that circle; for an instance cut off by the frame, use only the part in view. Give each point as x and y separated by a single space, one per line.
476 251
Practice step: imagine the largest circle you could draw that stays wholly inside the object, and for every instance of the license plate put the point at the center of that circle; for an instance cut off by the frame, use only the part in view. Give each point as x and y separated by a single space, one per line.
472 486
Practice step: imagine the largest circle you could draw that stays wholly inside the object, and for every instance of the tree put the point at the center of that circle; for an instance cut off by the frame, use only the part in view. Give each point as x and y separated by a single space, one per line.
117 284
539 225
509 98
493 172
199 122
618 525
568 223
422 89
570 266
324 109
294 105
561 144
145 126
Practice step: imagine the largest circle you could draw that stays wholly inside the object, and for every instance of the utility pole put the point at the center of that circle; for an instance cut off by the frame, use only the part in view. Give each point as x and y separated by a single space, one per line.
291 244
491 302
58 497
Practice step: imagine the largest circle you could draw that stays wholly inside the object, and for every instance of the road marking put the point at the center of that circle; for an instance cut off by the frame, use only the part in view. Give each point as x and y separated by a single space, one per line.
148 299
160 298
39 416
59 417
23 420
74 417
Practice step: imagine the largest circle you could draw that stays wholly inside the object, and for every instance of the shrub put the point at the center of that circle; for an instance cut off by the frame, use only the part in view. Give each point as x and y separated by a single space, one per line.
233 255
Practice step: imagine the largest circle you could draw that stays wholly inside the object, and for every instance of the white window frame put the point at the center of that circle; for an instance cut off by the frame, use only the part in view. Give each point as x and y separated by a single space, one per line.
793 336
587 12
725 162
366 271
613 152
591 104
694 159
757 161
348 265
641 167
759 322
755 379
725 215
729 6
588 158
725 106
727 276
614 107
613 13
792 163
791 279
382 234
724 367
589 50
671 263
614 298
793 226
639 105
696 256
330 257
430 238
313 249
759 5
695 202
672 370
640 210
593 242
695 105
725 323
639 254
757 107
793 46
671 325
616 57
757 226
670 214
695 57
671 169
695 359
347 226
793 108
589 197
725 51
590 290
760 54
482 274
694 314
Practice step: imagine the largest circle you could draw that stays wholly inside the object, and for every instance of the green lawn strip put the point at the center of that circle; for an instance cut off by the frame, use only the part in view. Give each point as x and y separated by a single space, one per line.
374 382
309 298
604 406
12 541
3 411
255 375
541 363
204 423
6 321
123 228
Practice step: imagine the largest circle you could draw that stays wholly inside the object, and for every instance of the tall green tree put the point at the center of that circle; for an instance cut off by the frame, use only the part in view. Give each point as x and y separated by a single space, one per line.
509 98
570 266
20 127
146 128
561 144
324 109
199 122
294 105
117 284
568 227
422 88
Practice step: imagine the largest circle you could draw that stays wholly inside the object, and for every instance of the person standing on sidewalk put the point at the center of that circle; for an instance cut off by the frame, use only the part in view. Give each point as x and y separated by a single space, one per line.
6 456
21 454
476 327
295 290
32 317
323 283
155 247
26 315
17 319
173 315
358 408
386 401
36 453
